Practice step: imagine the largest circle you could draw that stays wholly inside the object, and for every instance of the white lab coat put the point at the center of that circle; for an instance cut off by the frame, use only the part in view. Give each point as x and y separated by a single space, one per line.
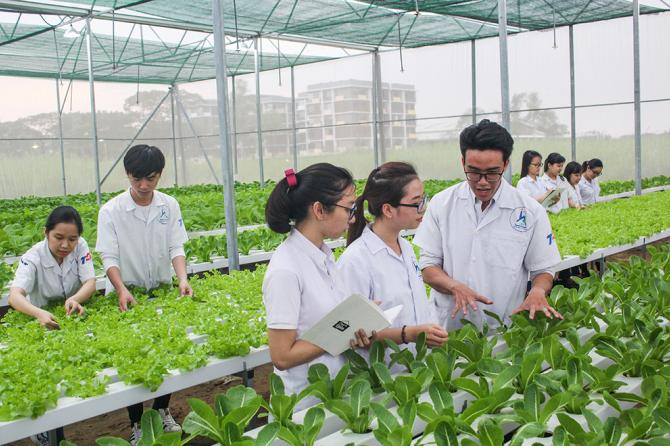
299 288
589 190
43 279
493 257
141 248
533 187
575 196
372 269
554 184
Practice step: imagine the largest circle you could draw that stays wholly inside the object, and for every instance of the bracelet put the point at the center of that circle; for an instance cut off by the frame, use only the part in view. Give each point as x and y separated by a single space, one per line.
402 334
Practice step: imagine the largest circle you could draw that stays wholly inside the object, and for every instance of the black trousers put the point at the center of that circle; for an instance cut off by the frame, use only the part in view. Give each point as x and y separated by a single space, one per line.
135 411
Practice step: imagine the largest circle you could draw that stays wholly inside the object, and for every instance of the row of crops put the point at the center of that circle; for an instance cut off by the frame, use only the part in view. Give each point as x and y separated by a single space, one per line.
22 220
598 377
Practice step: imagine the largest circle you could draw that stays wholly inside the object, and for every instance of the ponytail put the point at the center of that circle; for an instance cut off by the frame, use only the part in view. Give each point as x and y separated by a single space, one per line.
585 165
385 184
290 199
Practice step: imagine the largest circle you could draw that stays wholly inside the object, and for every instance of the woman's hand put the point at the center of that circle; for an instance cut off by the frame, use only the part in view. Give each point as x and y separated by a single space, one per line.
72 305
436 336
47 320
362 340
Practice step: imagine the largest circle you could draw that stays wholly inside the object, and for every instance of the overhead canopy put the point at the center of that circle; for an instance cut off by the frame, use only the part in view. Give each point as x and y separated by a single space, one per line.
51 54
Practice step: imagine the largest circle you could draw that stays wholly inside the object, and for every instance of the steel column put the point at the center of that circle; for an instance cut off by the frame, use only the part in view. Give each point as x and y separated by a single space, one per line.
636 97
375 111
60 138
473 82
259 125
573 113
233 132
293 126
94 124
174 137
504 74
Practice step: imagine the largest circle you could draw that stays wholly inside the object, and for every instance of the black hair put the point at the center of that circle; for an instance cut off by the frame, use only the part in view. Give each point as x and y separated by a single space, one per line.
571 168
553 158
143 160
487 135
526 159
592 164
385 184
320 182
64 214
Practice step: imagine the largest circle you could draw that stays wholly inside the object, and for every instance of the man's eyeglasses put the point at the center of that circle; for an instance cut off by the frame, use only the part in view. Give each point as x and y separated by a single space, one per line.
351 210
420 206
491 177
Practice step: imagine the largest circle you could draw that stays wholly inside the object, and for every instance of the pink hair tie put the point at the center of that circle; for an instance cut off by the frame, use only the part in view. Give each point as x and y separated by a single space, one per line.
291 179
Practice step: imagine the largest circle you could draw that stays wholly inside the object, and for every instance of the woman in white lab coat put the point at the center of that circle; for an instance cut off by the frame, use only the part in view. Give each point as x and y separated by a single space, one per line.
589 185
59 267
530 182
301 286
381 265
573 174
553 166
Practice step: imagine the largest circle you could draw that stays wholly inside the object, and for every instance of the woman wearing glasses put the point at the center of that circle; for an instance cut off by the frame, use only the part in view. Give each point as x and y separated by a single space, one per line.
589 186
300 286
530 182
381 265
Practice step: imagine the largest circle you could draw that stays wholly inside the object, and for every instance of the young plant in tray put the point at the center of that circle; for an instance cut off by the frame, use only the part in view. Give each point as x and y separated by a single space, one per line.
355 411
304 434
281 405
404 388
393 432
322 386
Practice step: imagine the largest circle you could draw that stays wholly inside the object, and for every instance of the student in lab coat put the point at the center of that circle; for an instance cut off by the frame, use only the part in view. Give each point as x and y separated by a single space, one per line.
141 239
589 185
59 267
553 166
481 240
573 174
531 182
301 284
379 264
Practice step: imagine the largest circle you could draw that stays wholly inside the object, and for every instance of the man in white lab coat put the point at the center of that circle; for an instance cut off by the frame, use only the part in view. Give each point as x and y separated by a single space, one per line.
141 239
482 240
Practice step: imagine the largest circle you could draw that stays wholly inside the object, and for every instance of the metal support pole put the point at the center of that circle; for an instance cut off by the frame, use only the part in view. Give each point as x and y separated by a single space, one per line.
224 135
174 137
636 97
380 107
375 111
184 180
293 126
60 138
259 124
504 75
197 138
233 133
94 124
573 114
473 73
132 141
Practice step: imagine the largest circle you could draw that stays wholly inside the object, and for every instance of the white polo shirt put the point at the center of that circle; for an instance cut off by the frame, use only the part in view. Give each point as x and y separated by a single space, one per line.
299 288
533 187
494 256
589 190
142 245
369 267
43 279
554 184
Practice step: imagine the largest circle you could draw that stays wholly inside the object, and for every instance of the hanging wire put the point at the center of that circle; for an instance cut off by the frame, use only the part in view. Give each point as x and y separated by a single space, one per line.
402 66
237 36
416 7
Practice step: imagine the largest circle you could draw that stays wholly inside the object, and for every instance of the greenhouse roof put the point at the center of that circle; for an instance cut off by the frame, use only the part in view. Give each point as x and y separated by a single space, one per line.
35 48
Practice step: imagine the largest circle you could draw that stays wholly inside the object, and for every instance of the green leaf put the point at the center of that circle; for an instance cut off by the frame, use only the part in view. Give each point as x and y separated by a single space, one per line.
560 437
612 431
476 409
201 420
360 397
445 435
530 366
506 377
242 415
441 397
570 425
268 434
490 433
168 439
551 406
276 385
470 386
111 441
406 388
318 372
66 443
152 427
385 419
529 430
661 417
377 352
341 409
609 399
532 399
313 423
595 425
407 413
339 381
230 434
383 373
438 362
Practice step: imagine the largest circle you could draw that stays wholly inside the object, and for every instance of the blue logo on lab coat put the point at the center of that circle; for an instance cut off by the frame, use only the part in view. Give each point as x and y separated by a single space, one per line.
164 215
520 219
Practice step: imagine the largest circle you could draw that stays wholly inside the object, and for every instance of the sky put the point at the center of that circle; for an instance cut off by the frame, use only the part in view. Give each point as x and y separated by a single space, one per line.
442 77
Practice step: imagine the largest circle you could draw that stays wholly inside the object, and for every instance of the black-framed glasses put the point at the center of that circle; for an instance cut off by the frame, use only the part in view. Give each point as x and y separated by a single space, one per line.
420 206
491 177
351 210
597 174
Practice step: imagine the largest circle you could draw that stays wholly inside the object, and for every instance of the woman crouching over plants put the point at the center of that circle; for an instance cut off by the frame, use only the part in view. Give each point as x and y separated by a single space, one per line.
300 286
381 265
59 267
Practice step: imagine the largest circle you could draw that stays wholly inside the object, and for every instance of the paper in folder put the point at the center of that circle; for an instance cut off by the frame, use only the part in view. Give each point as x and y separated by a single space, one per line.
334 332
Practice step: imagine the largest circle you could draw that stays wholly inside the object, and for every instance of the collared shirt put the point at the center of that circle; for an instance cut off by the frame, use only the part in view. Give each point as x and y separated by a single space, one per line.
533 187
479 212
494 256
43 279
142 248
561 182
299 288
575 196
589 190
369 267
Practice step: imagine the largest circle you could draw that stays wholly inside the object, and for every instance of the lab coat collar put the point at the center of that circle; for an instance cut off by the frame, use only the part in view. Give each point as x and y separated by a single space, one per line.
503 196
318 255
374 242
130 205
